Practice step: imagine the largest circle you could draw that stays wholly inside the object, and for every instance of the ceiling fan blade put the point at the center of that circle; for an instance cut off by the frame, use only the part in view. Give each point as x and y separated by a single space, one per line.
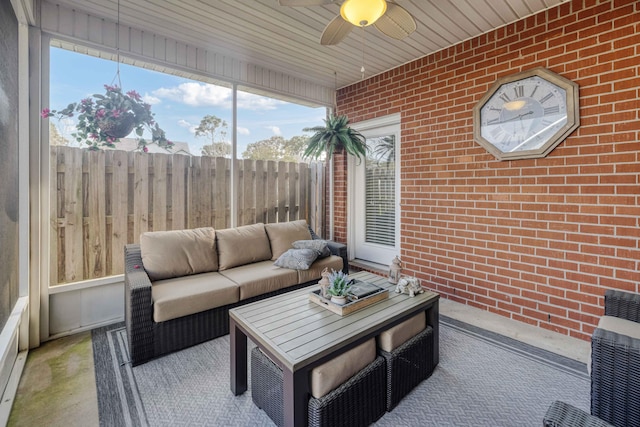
396 22
335 31
303 3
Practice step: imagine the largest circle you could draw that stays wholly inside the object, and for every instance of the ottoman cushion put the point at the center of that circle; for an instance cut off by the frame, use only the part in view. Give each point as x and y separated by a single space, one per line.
338 370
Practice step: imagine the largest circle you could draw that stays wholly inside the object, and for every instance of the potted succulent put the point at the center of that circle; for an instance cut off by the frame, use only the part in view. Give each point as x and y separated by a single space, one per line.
104 119
339 286
335 136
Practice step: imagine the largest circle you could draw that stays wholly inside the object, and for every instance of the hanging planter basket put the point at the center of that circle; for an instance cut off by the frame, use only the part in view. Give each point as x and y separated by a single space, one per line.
105 118
120 127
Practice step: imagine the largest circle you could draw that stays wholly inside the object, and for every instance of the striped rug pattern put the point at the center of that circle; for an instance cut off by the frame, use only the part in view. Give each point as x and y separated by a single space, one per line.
483 379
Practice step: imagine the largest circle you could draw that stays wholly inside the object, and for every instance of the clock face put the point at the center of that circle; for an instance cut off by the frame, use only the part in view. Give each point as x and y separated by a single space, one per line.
526 115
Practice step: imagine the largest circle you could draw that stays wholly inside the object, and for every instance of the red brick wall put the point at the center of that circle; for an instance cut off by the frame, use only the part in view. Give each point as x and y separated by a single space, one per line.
534 240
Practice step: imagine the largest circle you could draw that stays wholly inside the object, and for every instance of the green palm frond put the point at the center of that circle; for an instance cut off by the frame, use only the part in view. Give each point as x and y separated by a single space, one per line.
334 136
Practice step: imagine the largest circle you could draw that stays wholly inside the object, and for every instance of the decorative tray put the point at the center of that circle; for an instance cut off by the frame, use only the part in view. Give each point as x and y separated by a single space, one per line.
355 303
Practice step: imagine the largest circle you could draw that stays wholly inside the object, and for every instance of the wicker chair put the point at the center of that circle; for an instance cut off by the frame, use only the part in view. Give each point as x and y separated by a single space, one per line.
408 365
360 401
561 414
615 364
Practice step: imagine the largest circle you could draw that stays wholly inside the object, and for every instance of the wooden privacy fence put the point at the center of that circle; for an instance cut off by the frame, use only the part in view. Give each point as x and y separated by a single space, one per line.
102 200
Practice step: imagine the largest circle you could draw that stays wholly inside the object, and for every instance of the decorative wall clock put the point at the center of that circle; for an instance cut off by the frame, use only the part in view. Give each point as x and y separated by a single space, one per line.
526 115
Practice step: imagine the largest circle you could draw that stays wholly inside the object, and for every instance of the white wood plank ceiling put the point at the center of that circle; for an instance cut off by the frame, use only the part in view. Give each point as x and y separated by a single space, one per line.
286 39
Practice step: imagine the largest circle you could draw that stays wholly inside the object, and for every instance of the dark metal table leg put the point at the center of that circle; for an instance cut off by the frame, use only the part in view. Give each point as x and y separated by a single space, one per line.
238 356
296 398
433 320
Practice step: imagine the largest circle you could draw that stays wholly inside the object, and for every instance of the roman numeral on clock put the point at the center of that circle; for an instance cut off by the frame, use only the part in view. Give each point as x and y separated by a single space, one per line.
546 98
552 110
519 91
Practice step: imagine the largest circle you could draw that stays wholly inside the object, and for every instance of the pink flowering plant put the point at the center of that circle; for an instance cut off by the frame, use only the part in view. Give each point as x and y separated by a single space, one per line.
104 119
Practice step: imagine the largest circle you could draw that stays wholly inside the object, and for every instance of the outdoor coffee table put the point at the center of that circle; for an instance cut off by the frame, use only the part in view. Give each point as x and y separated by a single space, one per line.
299 335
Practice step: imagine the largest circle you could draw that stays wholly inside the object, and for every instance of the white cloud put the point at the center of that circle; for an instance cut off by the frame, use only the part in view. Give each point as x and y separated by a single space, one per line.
250 101
185 124
151 100
196 94
208 95
275 129
243 131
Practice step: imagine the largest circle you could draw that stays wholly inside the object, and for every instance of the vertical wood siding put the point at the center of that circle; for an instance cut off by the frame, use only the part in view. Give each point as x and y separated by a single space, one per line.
95 33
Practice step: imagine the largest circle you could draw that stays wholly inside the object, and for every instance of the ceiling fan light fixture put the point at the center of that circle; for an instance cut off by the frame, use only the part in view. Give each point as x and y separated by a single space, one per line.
363 13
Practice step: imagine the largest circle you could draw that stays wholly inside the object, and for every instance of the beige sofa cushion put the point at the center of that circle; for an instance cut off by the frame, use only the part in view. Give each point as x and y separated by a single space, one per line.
176 253
337 371
283 234
314 272
173 298
242 245
260 277
394 337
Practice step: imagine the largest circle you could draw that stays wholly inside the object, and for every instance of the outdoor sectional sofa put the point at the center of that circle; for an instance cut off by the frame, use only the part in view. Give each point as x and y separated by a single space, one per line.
180 284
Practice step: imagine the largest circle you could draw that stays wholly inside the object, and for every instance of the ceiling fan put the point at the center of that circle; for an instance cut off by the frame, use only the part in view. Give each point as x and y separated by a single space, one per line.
387 16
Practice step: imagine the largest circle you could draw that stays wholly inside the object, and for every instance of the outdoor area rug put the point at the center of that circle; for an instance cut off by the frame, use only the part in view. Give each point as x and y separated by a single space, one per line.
483 379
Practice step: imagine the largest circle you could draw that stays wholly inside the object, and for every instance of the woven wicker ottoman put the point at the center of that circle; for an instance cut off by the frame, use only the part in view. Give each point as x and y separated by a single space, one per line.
359 401
561 414
410 362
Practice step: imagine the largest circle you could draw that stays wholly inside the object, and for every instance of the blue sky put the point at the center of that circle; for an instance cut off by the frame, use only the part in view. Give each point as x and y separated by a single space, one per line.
178 103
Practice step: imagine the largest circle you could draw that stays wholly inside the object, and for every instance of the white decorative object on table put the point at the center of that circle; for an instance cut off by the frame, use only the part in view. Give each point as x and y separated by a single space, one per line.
395 269
409 285
324 283
340 300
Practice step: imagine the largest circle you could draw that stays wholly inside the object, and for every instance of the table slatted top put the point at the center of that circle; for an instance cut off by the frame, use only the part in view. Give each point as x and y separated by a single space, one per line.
298 332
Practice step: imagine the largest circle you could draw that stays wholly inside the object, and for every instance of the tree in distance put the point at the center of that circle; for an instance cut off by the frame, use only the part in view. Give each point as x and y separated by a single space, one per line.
277 148
215 130
55 138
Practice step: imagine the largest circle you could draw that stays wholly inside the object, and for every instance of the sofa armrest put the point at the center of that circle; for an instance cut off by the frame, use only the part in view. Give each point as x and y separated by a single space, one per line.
337 249
624 305
138 306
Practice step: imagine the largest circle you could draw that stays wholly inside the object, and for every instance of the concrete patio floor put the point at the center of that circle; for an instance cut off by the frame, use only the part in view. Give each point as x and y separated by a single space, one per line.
58 386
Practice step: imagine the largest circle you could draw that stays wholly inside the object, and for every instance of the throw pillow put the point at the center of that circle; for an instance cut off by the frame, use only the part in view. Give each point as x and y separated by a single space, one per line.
319 246
297 259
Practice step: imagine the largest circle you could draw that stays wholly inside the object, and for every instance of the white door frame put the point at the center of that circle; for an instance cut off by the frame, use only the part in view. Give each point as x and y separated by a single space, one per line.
364 127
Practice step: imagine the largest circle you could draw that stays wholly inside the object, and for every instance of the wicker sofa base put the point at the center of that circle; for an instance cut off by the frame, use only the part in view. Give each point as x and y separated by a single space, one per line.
561 414
187 331
408 365
148 339
360 401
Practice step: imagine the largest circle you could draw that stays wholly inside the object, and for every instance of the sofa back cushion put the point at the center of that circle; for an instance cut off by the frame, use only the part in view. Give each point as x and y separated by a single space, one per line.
242 245
175 253
283 234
